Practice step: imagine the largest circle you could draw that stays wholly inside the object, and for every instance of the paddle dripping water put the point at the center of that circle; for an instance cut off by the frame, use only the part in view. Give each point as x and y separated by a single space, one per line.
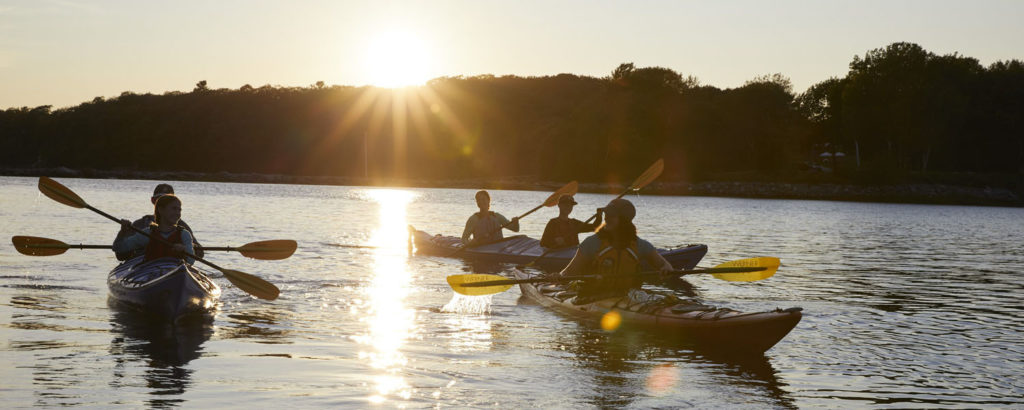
904 306
472 305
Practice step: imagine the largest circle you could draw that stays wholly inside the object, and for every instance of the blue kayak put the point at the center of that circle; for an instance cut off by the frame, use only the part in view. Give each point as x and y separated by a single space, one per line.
522 249
167 287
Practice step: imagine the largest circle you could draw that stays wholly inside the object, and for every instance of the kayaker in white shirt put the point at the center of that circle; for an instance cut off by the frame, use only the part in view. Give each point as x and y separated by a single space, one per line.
485 226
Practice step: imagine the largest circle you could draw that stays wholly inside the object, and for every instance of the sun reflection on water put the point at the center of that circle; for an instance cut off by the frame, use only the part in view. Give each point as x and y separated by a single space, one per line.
390 322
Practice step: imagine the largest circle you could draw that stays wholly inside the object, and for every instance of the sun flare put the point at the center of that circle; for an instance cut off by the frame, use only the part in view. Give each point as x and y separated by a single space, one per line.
397 59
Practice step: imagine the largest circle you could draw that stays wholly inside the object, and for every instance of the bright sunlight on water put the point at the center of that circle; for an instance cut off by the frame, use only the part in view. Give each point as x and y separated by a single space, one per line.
390 322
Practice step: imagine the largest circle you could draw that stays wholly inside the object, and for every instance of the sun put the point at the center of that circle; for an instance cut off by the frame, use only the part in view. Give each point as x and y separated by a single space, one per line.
397 59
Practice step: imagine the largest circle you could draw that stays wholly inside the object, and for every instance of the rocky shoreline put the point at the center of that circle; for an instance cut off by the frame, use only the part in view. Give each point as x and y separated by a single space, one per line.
917 193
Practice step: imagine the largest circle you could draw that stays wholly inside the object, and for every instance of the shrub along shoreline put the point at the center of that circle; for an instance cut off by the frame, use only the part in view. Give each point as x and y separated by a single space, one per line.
896 192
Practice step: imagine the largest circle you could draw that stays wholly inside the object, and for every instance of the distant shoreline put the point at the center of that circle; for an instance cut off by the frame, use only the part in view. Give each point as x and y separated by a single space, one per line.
911 193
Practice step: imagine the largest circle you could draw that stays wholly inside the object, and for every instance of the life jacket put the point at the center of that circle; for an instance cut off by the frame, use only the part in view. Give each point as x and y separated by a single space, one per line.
487 228
614 264
157 248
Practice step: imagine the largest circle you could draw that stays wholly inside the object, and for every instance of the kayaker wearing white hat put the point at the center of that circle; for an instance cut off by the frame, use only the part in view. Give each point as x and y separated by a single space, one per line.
614 253
563 231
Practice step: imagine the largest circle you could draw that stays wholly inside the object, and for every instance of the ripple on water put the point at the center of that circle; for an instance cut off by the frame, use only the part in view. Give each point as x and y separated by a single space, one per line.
904 306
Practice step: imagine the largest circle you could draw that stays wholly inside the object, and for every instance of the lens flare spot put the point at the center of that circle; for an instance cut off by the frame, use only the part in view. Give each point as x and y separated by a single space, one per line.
611 321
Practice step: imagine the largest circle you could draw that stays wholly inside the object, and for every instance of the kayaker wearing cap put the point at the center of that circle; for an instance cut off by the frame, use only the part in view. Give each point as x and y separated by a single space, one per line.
485 226
167 214
563 231
614 253
147 220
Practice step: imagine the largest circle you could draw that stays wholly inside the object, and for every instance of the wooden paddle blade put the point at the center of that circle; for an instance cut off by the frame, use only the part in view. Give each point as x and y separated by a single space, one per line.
458 282
652 173
568 189
269 250
770 265
252 284
60 193
36 246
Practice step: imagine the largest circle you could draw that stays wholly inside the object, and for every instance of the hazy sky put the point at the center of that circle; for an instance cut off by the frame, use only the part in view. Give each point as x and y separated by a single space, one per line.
64 52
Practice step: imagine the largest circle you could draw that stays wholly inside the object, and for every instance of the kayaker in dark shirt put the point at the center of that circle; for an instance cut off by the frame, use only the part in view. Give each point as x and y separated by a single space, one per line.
147 220
485 226
563 231
176 239
615 253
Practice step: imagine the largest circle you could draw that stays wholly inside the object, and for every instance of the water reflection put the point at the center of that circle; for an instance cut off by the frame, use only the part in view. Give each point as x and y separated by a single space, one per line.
467 332
165 348
390 322
261 324
39 314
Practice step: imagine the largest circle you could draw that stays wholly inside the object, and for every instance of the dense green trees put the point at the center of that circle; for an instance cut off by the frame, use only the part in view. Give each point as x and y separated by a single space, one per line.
904 109
900 109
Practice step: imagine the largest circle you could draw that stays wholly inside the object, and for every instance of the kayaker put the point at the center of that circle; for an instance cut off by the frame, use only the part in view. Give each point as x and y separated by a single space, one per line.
615 253
147 220
563 231
167 214
485 226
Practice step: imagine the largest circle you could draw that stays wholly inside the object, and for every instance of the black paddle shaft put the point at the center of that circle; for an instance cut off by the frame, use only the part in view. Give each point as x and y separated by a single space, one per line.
157 237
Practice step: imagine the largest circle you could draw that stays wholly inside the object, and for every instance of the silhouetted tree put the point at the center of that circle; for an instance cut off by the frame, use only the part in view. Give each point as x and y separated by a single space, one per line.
904 109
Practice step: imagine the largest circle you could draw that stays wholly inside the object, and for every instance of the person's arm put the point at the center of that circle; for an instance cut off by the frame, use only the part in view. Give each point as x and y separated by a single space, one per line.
654 258
512 225
547 240
584 256
583 227
195 242
576 265
123 232
186 243
468 230
131 242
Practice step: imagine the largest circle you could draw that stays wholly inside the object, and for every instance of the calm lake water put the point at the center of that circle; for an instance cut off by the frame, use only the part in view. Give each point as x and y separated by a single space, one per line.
904 306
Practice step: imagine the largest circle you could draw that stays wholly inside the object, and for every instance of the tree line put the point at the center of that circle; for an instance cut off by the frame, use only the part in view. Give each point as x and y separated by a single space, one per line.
900 110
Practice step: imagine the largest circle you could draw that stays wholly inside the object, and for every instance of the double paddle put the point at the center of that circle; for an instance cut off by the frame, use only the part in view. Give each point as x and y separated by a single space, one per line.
263 250
250 284
743 270
652 173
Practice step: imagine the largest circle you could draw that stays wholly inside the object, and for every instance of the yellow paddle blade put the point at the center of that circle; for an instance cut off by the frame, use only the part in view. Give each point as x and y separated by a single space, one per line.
36 246
252 284
568 189
652 173
60 193
269 250
770 265
457 283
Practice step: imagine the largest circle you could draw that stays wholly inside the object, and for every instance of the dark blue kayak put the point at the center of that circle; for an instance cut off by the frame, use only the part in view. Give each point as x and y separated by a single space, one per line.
522 249
167 287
